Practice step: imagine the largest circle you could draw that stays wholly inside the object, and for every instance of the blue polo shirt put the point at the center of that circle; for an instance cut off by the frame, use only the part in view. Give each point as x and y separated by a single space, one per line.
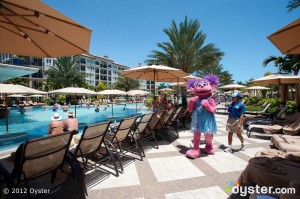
236 110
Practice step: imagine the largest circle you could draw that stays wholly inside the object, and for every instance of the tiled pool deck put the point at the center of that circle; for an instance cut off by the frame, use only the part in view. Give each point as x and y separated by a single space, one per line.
167 173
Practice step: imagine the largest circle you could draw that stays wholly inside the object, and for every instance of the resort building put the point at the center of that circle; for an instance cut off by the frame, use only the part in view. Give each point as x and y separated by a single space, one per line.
96 69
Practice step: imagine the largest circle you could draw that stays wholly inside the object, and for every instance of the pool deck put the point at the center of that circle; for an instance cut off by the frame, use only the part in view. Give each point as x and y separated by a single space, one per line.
167 173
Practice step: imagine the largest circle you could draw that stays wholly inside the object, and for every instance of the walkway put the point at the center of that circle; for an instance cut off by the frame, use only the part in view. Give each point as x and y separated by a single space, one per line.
167 173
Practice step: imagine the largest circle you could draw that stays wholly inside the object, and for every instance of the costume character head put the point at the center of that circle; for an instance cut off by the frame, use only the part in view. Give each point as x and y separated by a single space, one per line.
203 88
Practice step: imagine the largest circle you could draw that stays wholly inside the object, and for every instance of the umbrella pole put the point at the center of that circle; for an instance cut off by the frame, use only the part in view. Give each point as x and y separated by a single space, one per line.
75 103
6 113
178 92
136 104
155 100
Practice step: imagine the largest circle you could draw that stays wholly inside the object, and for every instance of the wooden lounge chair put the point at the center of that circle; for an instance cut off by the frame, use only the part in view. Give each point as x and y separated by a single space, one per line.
89 144
38 157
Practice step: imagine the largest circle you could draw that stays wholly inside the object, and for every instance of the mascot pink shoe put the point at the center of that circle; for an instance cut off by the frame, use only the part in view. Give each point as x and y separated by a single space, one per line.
195 152
203 109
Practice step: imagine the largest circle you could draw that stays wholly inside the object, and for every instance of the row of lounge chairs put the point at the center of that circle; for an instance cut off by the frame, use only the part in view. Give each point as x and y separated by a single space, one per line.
56 162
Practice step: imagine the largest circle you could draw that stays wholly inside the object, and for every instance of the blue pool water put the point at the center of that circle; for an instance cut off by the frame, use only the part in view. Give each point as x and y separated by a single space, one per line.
36 120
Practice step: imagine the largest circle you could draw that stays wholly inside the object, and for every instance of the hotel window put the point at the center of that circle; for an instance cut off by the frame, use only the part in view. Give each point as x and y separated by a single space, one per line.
97 63
82 68
82 60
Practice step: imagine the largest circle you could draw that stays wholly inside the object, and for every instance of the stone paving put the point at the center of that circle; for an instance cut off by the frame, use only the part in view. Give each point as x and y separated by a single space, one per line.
167 173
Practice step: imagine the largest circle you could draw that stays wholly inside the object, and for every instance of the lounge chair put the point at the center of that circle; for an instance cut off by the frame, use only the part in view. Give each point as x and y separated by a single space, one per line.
90 142
121 135
140 131
173 121
286 143
265 119
161 125
273 172
247 113
38 157
289 126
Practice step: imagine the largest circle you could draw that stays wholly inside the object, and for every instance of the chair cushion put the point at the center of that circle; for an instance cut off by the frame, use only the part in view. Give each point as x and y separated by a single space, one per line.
286 143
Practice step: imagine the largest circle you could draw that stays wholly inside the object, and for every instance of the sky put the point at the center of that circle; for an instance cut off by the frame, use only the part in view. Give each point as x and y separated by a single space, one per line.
128 30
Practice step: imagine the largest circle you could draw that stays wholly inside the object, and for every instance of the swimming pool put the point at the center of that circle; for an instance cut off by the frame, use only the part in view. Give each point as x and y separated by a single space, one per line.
36 120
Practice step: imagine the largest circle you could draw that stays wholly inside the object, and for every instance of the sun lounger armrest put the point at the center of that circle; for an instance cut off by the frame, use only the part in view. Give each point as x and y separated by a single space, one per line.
108 144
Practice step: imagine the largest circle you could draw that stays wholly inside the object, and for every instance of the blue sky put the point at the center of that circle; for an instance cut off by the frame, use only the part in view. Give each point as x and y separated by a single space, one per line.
127 30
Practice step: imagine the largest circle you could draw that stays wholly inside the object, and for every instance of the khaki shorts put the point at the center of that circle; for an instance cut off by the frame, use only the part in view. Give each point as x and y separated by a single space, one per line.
232 126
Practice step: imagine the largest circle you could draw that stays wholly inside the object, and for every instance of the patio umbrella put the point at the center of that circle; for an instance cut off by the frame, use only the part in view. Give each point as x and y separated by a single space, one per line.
74 91
155 73
287 39
232 86
180 84
12 89
32 28
137 93
167 90
283 80
112 92
36 95
256 90
16 95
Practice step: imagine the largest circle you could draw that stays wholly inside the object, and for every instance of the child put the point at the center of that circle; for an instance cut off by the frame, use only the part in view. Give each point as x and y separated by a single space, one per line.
236 110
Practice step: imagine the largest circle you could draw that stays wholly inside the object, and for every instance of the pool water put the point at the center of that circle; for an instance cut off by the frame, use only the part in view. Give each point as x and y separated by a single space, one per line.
35 121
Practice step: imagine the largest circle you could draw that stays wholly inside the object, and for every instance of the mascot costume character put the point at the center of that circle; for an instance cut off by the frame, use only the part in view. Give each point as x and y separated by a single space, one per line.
203 109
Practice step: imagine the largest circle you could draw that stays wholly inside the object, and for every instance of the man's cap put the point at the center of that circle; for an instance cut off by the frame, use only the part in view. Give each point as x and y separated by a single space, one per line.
56 116
237 95
70 114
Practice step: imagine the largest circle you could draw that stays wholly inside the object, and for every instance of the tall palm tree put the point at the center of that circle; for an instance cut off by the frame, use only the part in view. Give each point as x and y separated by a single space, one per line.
286 64
125 83
224 75
65 73
186 49
293 4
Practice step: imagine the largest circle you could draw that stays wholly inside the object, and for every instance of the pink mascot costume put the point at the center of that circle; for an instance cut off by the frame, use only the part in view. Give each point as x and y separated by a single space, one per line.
203 109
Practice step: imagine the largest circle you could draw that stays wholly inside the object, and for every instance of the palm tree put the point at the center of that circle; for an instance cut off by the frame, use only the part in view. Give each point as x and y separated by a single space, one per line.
101 86
285 64
186 49
293 4
224 75
125 83
65 74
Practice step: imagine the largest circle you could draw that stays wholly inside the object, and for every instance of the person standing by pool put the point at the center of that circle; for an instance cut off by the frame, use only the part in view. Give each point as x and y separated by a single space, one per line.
57 125
71 124
235 119
154 104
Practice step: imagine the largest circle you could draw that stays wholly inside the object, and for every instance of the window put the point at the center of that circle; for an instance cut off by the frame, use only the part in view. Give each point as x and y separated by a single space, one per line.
48 61
97 63
82 68
82 60
109 78
109 66
109 72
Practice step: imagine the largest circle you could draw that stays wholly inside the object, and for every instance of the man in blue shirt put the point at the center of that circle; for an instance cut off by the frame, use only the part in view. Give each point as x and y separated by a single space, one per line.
236 110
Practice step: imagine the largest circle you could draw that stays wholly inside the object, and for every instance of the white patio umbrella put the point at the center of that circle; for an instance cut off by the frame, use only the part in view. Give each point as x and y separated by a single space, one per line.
112 92
232 86
167 90
281 79
36 95
16 95
180 84
137 93
74 91
256 90
12 89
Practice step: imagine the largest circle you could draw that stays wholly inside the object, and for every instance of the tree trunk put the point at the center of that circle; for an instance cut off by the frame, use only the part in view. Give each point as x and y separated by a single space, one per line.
183 97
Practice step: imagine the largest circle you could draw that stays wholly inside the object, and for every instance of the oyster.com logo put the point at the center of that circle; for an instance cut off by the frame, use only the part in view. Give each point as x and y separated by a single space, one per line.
231 184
